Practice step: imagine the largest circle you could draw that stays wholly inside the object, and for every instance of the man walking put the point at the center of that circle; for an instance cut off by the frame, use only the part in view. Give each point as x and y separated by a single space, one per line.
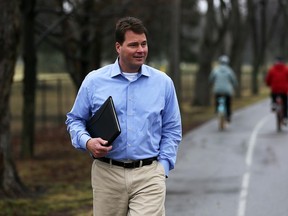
128 177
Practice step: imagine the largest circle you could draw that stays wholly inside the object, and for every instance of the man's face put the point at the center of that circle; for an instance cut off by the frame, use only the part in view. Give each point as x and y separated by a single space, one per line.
133 52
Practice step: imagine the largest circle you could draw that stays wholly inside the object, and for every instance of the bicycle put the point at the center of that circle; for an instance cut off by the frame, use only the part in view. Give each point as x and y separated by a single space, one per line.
221 111
278 107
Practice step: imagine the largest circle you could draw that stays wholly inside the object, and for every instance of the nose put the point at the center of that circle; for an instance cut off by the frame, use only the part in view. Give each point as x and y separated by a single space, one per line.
140 48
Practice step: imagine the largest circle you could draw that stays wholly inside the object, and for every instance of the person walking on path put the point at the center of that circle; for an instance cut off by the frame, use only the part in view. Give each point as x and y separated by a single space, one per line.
224 82
277 80
129 177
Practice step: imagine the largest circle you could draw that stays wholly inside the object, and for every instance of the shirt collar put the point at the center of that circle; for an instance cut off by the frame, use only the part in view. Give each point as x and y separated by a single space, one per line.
116 70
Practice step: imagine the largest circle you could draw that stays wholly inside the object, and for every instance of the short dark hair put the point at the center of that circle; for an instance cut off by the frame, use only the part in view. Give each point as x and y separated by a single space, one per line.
128 23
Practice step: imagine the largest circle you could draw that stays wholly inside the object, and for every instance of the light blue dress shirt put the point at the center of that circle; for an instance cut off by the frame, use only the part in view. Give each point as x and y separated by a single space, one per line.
147 110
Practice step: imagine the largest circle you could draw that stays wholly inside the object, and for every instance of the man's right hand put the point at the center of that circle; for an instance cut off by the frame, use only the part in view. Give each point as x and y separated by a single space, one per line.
97 148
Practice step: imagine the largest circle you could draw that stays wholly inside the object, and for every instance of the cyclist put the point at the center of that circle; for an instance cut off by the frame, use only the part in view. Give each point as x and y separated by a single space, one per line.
224 82
277 80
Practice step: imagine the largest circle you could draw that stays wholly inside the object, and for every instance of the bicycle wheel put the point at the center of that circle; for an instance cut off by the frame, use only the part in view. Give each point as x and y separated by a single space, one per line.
279 119
279 113
221 122
221 110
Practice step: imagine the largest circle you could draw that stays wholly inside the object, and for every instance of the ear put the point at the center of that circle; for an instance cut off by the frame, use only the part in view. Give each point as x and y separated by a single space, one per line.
117 47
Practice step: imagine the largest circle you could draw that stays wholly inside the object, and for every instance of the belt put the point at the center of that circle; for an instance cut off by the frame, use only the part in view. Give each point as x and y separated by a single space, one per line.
129 165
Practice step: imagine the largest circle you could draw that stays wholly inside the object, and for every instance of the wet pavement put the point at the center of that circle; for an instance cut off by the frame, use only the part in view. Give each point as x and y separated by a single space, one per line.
242 171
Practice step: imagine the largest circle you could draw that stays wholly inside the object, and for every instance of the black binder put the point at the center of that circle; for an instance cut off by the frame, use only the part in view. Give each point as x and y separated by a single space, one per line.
104 123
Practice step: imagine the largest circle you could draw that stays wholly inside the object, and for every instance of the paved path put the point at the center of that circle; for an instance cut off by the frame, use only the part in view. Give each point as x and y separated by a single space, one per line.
242 171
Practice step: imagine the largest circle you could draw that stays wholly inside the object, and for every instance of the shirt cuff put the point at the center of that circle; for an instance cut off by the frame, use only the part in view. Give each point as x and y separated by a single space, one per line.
83 140
166 166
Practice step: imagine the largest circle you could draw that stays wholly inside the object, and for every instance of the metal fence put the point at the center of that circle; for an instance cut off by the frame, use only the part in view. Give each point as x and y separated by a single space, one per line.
55 95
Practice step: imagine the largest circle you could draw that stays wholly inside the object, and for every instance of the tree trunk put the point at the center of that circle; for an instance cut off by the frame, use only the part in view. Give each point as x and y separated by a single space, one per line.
239 33
96 48
283 40
174 69
29 82
10 183
77 47
202 98
258 39
213 35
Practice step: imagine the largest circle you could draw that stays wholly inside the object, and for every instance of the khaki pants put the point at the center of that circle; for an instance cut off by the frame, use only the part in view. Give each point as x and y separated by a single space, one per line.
119 191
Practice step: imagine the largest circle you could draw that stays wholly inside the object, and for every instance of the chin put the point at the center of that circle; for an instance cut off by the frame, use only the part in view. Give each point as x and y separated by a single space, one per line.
140 62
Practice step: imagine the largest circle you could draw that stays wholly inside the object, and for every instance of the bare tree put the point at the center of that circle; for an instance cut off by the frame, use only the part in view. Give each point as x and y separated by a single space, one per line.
10 183
90 29
81 39
215 28
262 34
284 43
29 81
175 46
83 30
239 35
278 29
258 39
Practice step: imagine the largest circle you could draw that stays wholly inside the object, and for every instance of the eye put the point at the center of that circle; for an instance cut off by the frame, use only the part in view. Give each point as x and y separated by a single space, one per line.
133 44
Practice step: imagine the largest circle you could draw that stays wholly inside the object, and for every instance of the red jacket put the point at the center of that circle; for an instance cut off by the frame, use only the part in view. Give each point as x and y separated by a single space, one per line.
277 78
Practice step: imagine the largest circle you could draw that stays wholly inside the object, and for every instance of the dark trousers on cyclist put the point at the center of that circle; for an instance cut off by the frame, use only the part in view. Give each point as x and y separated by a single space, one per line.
228 100
284 101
